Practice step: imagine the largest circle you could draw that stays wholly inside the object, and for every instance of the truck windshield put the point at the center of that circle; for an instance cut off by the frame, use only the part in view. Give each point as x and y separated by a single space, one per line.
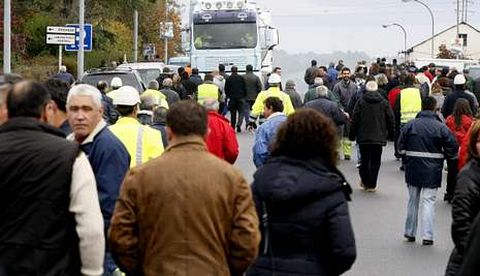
225 35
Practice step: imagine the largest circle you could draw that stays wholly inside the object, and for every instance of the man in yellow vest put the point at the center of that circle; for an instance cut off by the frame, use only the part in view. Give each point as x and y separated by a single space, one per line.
407 105
143 143
208 90
153 91
274 82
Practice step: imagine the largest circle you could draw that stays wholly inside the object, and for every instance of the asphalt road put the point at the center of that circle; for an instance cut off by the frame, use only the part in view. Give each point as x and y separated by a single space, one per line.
378 221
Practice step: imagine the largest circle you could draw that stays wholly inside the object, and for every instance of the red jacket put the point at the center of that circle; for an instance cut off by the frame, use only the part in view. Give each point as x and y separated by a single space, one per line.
462 135
221 140
393 95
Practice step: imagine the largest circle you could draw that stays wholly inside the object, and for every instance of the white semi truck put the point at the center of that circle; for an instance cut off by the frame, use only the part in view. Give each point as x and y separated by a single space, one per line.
230 32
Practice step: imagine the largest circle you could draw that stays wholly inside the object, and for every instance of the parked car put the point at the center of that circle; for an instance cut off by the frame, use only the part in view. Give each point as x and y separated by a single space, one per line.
148 70
128 76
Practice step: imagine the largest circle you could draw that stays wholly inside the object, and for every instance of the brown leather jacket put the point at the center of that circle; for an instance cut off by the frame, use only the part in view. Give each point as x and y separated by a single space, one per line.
184 213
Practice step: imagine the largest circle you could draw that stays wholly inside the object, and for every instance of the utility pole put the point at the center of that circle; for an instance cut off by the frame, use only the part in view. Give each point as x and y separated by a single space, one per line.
463 10
458 18
165 59
135 36
81 32
7 37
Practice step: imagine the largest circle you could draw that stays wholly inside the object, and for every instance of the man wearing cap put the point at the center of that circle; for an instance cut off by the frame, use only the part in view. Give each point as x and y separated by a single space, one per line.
274 82
115 84
458 92
143 143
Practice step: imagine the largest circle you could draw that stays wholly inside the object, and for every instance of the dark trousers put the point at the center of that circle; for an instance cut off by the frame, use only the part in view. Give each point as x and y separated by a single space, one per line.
452 173
371 160
236 106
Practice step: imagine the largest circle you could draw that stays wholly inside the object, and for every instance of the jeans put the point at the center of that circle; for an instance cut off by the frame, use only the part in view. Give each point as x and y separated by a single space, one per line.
246 111
370 166
428 208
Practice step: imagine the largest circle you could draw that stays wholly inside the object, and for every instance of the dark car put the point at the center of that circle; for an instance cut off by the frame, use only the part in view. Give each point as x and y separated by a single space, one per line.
128 77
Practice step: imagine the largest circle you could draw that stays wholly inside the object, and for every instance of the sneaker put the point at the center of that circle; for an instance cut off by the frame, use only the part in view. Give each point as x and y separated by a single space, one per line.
371 190
358 165
427 242
402 168
362 185
347 157
409 238
448 198
239 129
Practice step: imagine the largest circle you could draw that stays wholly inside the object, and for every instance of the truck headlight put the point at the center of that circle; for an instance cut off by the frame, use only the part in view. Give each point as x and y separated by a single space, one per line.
219 5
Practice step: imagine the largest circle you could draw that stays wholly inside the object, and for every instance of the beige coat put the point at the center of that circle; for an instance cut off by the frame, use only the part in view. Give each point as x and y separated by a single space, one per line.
185 213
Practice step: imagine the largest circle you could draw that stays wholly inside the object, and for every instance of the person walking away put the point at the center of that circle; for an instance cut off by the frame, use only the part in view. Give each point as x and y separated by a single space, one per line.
425 142
178 86
253 85
470 84
64 76
190 87
372 124
221 140
50 210
110 114
195 77
274 91
210 218
107 155
219 80
294 96
154 92
145 112
311 93
343 91
160 123
311 73
332 74
296 226
141 141
58 90
273 111
458 92
328 107
459 123
208 90
465 203
171 96
236 93
407 105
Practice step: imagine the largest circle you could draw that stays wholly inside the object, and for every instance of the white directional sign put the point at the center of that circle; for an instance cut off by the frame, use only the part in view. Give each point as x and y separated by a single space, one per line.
60 30
60 39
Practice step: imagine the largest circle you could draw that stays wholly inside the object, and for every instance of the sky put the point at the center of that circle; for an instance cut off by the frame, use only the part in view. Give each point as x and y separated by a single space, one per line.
323 26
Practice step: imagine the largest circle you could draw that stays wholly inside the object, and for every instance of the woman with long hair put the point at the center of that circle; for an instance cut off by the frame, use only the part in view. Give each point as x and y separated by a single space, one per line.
301 200
466 201
459 123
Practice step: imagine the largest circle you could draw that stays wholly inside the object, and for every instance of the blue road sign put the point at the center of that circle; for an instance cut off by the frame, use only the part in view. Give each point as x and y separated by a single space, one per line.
87 43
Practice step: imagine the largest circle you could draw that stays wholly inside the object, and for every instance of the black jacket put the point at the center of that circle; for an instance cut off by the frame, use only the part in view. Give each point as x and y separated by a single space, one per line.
171 96
235 87
465 207
329 108
253 86
37 230
451 99
309 226
471 261
425 142
372 121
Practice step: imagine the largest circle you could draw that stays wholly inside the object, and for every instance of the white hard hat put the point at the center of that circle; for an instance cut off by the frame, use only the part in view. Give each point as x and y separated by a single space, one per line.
274 78
126 95
116 82
459 79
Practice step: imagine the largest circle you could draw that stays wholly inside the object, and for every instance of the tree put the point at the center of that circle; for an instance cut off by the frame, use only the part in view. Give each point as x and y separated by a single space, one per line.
445 53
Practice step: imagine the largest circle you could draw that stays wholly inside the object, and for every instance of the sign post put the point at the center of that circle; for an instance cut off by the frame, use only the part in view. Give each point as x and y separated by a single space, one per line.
60 35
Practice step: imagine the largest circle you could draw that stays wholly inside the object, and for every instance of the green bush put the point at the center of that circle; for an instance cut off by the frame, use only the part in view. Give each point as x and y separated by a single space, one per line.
35 29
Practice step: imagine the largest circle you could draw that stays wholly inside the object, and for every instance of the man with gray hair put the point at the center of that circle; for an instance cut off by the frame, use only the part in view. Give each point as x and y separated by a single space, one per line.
170 94
221 140
107 155
160 123
64 76
312 92
158 97
328 107
372 124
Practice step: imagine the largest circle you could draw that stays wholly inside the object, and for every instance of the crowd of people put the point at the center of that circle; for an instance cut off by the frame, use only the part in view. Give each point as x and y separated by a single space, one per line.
108 180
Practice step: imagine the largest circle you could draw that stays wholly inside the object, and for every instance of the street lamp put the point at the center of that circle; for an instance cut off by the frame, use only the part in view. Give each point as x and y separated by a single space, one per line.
433 21
404 37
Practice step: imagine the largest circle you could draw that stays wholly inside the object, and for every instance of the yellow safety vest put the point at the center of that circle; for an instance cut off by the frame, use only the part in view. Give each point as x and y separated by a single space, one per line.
143 143
257 108
410 104
159 97
207 91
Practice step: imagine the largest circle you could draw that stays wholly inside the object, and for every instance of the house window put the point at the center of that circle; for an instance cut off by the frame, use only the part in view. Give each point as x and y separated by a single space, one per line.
463 39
